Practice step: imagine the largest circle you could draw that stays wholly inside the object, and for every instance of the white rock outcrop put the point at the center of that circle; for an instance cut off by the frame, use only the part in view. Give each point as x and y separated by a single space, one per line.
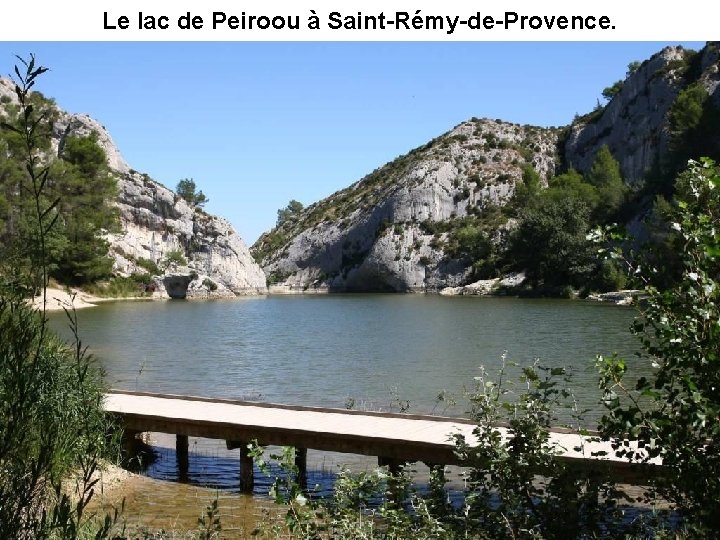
377 235
155 221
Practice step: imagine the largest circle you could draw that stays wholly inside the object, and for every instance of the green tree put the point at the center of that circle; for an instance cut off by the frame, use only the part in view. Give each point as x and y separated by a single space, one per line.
526 192
605 175
674 411
572 184
550 243
85 188
612 91
187 190
633 67
694 120
687 111
81 183
290 212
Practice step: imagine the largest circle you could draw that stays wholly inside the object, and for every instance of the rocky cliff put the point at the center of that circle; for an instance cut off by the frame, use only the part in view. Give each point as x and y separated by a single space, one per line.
389 231
155 222
635 123
378 234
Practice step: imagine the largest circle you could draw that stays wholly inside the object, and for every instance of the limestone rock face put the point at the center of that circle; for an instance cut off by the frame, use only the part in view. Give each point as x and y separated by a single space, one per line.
635 124
155 222
377 234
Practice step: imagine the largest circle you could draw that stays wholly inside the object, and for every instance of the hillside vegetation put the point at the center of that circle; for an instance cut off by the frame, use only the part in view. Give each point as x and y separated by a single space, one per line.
79 189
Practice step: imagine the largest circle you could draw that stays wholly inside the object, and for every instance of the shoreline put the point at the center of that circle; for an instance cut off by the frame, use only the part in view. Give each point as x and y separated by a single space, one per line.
59 299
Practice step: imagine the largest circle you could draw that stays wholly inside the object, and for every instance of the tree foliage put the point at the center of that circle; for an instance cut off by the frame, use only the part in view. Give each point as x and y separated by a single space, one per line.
187 190
526 192
80 182
674 411
693 128
85 188
550 242
605 176
52 423
290 212
611 91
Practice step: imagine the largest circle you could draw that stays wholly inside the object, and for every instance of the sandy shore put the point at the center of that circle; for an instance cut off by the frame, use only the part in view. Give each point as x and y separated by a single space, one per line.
57 299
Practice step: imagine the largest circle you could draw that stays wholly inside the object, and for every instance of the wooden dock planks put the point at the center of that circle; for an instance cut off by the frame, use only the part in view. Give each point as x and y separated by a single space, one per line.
391 436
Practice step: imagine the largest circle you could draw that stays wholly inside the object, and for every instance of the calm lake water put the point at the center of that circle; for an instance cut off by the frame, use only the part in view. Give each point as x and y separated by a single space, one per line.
373 350
376 351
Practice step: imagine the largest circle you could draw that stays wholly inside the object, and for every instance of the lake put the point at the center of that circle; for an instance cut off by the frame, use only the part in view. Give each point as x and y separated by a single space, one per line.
379 352
370 350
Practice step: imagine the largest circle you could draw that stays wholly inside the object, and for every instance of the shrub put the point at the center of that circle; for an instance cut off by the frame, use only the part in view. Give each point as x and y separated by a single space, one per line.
173 258
516 488
149 265
210 284
136 284
52 422
674 411
52 425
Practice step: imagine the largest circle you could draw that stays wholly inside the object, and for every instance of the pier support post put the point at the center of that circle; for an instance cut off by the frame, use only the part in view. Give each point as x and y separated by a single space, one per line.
181 453
301 464
247 480
129 446
394 466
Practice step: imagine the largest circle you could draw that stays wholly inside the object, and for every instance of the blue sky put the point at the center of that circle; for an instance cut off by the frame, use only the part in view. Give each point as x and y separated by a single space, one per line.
258 124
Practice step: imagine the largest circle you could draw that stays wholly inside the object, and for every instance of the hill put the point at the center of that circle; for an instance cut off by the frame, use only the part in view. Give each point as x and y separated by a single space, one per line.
447 213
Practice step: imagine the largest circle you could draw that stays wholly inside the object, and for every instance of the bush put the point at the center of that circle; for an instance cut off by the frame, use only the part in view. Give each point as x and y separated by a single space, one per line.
173 258
52 423
610 277
210 284
123 287
674 411
516 487
149 265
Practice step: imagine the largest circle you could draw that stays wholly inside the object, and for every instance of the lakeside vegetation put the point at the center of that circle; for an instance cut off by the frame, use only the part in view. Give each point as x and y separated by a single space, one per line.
54 433
516 488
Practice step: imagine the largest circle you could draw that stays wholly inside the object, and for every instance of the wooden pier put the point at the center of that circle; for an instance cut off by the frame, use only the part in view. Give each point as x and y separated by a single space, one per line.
394 438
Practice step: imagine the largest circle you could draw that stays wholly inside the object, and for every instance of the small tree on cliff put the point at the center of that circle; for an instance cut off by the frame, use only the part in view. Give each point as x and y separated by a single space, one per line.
605 175
187 190
291 211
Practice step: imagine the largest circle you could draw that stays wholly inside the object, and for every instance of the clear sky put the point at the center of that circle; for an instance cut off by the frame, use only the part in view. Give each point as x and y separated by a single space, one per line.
258 124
